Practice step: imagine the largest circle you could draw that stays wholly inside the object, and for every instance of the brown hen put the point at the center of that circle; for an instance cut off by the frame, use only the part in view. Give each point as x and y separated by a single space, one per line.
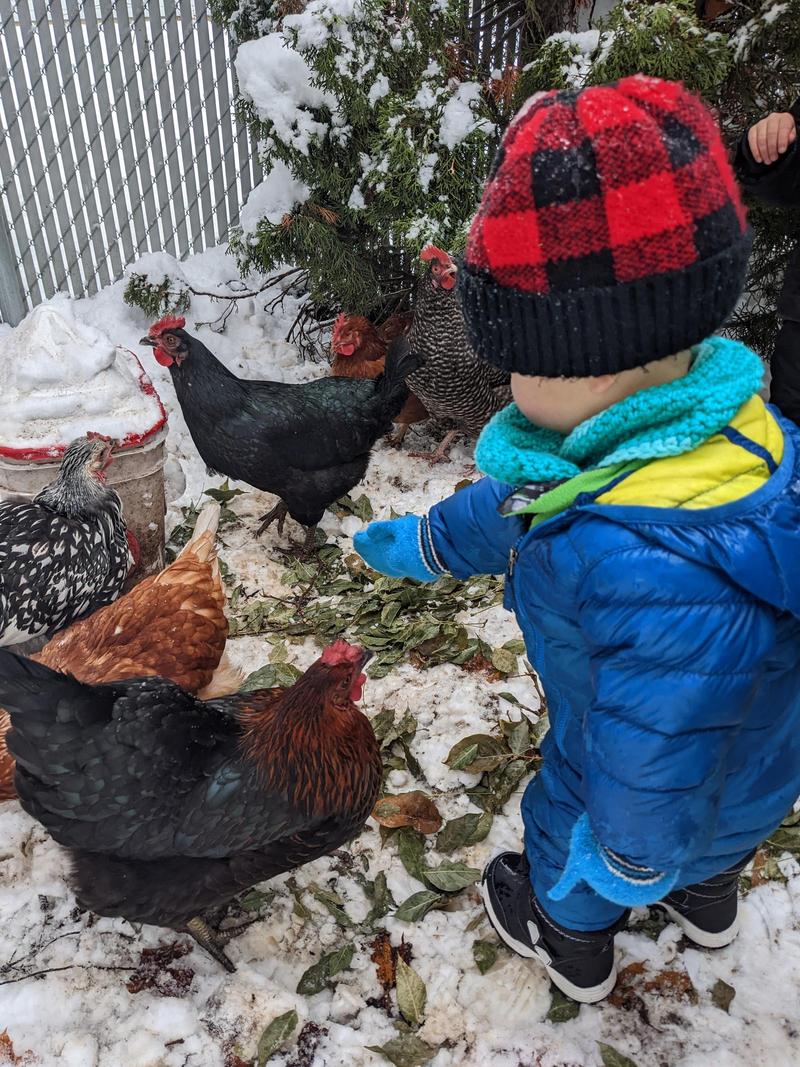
359 351
172 624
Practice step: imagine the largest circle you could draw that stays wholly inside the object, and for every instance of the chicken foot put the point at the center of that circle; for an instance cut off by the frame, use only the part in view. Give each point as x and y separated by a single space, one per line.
441 454
277 514
211 940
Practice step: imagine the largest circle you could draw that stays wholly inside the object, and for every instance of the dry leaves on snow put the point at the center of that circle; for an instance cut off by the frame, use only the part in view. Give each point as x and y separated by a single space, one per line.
408 809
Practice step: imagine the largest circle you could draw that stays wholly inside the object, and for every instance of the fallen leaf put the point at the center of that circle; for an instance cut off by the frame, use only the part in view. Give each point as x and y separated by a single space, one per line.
612 1058
450 877
7 1054
408 809
407 1050
270 676
411 849
722 994
274 1036
672 983
381 898
562 1008
476 753
468 829
333 902
318 976
418 905
504 661
411 993
485 955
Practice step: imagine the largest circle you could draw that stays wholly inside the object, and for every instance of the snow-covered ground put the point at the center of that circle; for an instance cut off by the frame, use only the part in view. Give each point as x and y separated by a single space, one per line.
64 976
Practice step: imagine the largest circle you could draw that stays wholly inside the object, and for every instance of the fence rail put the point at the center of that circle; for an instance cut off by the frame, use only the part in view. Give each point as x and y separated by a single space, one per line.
120 137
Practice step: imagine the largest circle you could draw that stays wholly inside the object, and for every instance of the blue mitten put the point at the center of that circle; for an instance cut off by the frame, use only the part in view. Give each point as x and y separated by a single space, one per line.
609 874
401 548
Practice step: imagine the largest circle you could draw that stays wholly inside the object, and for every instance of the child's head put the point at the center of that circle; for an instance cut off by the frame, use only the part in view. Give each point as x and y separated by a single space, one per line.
610 235
563 403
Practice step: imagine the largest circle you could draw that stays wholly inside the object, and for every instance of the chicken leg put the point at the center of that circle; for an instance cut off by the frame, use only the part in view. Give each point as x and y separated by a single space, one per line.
277 514
211 941
440 455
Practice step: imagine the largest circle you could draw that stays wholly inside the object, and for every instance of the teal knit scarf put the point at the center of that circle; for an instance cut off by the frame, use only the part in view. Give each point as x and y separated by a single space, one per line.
664 420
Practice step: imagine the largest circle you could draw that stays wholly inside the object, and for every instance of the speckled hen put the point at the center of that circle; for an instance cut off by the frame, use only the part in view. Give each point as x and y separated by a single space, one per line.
66 552
457 388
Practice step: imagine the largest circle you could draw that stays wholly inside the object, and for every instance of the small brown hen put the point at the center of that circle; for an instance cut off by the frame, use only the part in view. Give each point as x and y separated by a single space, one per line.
359 351
172 624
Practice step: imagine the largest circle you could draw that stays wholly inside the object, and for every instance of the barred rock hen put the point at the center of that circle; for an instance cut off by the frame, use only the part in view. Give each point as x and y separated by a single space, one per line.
66 552
455 386
308 444
359 351
172 624
171 806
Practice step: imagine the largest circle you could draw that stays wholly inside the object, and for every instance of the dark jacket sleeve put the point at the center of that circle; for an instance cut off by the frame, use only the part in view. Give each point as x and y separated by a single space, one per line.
775 183
468 533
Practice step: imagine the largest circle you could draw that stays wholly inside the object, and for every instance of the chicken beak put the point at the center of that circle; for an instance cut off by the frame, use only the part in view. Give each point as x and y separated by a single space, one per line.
366 656
148 341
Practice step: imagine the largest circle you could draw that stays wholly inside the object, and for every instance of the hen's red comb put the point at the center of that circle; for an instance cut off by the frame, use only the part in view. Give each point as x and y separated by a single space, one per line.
93 435
430 252
339 322
169 322
340 652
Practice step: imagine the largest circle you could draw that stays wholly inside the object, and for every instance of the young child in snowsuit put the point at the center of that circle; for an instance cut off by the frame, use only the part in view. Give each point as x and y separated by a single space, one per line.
644 505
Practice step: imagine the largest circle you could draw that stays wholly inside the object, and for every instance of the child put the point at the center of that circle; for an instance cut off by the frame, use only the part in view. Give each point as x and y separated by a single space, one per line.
645 507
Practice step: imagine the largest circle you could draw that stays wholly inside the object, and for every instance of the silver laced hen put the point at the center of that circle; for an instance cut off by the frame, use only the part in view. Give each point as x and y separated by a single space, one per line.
66 552
458 389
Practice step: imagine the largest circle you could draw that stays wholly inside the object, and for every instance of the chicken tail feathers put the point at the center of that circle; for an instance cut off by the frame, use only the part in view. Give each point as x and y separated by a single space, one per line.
39 699
227 679
400 362
202 543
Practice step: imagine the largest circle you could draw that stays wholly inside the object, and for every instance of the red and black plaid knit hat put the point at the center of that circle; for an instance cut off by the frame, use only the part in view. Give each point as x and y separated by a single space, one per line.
610 233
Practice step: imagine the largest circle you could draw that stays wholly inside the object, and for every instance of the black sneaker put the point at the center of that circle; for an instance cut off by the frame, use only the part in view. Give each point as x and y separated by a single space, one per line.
708 912
580 963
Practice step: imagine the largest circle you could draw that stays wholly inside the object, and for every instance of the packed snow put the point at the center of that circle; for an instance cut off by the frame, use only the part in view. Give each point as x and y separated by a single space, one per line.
64 998
277 195
278 81
61 377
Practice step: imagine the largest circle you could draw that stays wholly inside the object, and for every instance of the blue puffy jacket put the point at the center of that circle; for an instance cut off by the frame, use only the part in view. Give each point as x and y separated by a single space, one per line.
663 617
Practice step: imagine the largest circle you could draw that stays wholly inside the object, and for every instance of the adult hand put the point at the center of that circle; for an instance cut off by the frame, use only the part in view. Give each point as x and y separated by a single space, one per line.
770 137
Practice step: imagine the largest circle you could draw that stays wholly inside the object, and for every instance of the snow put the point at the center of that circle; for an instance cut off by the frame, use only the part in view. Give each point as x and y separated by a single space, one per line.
277 195
459 119
83 1014
278 81
60 377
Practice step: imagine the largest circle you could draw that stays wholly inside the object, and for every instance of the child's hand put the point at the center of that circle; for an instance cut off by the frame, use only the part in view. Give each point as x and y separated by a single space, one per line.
395 548
770 137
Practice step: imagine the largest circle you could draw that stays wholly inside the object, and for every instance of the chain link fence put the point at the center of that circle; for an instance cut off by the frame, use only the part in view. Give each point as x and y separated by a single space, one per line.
120 137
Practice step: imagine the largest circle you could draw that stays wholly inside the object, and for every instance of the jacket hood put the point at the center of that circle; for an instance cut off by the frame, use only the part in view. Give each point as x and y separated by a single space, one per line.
733 504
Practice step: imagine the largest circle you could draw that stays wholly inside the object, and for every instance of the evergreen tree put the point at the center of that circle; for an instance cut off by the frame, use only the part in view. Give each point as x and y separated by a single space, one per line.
387 153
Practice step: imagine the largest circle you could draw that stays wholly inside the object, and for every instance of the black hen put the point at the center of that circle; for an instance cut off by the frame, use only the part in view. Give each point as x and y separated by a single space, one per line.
308 444
171 805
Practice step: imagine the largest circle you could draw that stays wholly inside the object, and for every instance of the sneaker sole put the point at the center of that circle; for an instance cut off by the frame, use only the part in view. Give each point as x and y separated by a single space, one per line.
703 938
590 995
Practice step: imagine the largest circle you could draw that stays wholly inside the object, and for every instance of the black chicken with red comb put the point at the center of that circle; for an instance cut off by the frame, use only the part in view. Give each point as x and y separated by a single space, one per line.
457 388
171 805
309 444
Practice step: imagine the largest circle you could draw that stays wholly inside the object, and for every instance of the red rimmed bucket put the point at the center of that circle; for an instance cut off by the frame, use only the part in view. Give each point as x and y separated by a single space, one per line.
137 474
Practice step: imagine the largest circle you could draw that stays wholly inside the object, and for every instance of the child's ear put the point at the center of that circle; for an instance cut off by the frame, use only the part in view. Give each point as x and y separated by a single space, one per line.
602 383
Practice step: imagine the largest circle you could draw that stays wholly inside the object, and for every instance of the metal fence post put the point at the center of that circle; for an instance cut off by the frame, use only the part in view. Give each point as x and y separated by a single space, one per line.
12 297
